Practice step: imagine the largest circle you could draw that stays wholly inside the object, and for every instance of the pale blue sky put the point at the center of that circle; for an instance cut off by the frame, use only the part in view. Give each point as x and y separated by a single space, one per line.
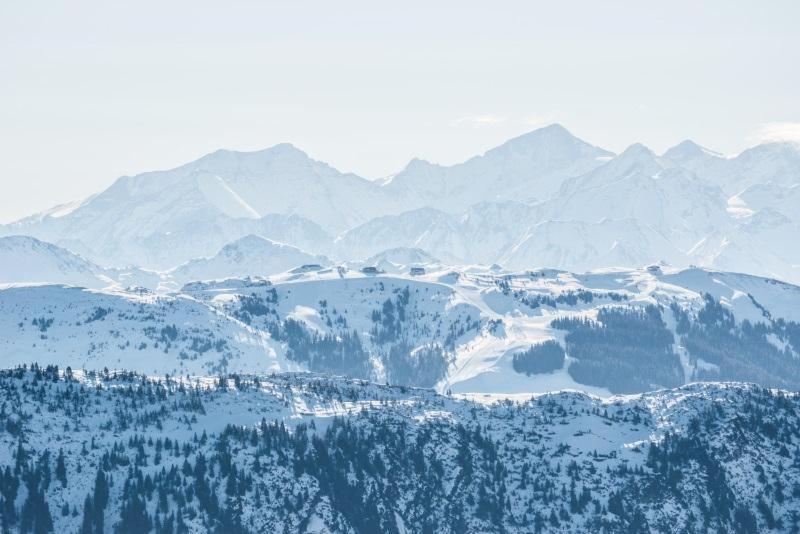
91 90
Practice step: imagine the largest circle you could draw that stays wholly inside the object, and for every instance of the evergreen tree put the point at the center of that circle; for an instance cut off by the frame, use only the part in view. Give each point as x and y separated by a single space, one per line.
61 468
100 500
87 525
133 517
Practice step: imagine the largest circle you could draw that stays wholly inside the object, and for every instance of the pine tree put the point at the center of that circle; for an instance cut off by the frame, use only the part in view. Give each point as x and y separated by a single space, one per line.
100 500
87 526
133 518
35 517
61 468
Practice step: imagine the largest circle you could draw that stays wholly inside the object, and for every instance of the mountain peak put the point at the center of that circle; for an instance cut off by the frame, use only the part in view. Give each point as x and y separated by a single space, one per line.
251 241
772 149
284 148
550 145
417 164
637 154
552 134
688 149
281 150
554 129
637 150
637 158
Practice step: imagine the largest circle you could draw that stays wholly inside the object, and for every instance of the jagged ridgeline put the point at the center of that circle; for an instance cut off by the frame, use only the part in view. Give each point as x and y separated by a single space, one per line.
543 198
117 452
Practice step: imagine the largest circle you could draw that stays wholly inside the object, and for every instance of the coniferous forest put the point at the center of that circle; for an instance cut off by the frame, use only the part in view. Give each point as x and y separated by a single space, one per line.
306 453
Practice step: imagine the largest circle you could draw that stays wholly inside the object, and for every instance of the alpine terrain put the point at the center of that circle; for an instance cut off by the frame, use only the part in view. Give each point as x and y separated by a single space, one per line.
547 337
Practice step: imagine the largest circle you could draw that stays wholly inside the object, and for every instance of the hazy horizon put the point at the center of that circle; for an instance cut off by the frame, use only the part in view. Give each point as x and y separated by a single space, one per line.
91 94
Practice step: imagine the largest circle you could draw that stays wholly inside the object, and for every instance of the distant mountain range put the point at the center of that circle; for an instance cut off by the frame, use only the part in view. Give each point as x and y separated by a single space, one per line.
544 199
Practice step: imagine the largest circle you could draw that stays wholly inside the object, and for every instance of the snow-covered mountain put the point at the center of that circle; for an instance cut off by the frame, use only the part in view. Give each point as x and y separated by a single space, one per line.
766 231
580 246
777 162
640 186
770 196
481 234
161 219
250 255
94 329
312 454
544 199
527 168
702 161
399 260
424 228
26 260
465 330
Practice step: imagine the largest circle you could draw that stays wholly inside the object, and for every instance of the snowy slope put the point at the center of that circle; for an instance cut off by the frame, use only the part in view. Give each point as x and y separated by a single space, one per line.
481 234
390 319
451 329
638 185
785 200
425 228
580 246
153 334
27 260
766 232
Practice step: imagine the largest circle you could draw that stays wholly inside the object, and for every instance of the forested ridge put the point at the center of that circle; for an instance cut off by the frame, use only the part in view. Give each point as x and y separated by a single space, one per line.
118 452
